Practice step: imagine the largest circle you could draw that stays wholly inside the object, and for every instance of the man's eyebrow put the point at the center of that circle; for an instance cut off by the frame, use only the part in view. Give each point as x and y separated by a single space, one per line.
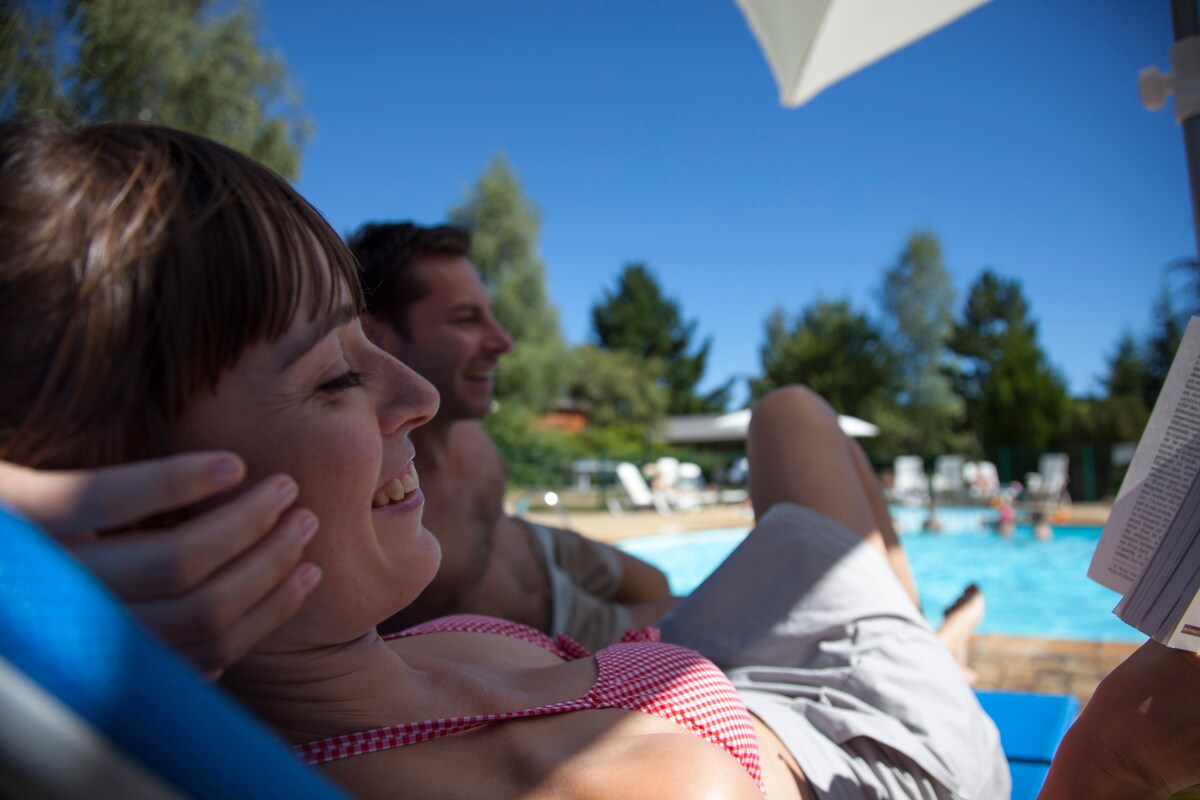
467 306
295 349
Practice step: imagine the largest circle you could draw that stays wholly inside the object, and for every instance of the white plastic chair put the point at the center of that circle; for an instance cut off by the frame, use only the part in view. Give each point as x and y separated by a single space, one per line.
640 493
909 484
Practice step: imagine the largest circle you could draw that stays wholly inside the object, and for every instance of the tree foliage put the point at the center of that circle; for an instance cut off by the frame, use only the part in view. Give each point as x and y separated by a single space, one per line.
621 387
1165 335
833 349
532 457
1121 415
1014 396
175 62
918 303
504 228
636 318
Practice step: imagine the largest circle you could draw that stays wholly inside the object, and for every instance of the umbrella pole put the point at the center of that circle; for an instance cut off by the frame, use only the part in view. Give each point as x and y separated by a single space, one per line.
1187 25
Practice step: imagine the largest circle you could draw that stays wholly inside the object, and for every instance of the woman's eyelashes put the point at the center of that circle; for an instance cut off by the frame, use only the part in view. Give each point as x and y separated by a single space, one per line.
347 380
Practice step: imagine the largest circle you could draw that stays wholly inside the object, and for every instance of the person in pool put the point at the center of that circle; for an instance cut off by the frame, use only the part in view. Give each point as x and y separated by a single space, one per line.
164 294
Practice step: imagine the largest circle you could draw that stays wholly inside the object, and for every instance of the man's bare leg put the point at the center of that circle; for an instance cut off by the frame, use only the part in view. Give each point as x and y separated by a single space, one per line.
798 454
1137 736
874 490
961 619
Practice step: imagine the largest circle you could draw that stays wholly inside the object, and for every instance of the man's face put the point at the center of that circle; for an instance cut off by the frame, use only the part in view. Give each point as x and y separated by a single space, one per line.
454 341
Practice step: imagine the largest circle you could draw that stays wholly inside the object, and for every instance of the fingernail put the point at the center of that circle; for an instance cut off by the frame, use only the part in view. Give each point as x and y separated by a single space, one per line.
308 527
287 490
225 471
308 576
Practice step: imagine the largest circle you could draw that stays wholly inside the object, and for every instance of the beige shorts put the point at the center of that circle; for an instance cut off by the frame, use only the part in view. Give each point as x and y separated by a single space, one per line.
582 576
826 648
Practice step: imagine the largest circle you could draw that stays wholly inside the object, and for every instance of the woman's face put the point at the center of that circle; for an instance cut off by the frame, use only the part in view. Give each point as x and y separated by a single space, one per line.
327 407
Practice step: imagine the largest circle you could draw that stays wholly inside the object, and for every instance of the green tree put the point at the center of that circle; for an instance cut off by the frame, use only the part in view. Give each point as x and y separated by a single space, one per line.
833 349
918 303
1165 336
1127 374
621 388
637 318
1123 412
1014 396
504 228
178 63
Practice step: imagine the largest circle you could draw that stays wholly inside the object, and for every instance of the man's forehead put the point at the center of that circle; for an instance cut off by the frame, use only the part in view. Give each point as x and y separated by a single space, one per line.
451 279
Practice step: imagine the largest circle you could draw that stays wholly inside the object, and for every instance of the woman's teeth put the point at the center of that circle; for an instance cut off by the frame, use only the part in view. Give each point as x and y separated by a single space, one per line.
396 489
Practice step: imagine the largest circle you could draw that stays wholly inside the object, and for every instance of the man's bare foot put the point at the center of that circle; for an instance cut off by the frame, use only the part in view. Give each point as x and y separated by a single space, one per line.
1137 736
962 617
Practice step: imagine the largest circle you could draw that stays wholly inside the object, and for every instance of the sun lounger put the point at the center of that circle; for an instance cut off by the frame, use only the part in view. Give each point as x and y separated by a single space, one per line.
948 478
909 482
982 479
640 494
1031 726
1048 486
92 706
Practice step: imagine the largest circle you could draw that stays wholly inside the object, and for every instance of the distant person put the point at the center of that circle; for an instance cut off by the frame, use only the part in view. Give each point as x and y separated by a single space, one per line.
428 307
1006 519
932 523
1041 526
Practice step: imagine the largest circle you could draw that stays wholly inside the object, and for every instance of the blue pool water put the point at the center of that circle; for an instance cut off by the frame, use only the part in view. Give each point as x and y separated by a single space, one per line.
1032 588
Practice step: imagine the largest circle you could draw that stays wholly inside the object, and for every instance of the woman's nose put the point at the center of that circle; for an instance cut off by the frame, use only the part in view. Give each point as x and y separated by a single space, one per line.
409 402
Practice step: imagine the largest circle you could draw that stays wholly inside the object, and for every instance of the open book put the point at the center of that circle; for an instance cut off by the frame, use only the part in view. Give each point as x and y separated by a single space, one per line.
1150 549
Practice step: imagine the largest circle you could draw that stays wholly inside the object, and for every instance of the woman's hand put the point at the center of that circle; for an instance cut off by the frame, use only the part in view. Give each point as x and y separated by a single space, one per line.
212 586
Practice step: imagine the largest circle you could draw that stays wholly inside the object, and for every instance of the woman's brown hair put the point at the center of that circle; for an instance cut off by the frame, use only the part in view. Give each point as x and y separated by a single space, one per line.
137 263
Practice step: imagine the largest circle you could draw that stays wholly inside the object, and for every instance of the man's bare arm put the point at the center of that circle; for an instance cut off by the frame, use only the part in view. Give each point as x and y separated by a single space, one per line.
640 580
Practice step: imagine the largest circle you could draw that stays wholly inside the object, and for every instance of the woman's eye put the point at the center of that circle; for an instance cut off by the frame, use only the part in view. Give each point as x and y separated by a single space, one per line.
347 380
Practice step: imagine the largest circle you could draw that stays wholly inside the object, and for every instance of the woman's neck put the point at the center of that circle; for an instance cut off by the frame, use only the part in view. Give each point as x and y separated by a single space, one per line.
326 691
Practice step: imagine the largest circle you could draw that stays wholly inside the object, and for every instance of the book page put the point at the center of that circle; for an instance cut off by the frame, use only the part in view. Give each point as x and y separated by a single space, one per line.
1166 463
1186 635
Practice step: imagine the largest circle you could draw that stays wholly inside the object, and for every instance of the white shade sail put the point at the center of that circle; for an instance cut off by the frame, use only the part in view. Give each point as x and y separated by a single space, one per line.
732 427
811 44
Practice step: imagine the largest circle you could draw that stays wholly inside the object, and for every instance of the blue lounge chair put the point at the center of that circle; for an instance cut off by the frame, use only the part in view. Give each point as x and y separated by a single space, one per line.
92 706
1031 726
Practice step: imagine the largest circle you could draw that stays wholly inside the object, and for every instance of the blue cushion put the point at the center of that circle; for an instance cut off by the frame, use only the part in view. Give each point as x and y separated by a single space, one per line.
1031 726
64 630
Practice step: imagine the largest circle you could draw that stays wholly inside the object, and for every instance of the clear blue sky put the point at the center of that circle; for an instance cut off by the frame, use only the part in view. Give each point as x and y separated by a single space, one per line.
649 130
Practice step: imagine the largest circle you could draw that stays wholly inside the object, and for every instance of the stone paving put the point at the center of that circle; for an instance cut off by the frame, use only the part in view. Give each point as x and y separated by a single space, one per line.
1044 665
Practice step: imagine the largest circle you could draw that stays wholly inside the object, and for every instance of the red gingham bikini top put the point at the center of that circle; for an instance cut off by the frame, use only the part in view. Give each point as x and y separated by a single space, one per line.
639 674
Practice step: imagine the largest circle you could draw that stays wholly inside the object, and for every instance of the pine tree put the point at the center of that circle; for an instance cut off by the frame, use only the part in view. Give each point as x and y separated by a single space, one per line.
637 318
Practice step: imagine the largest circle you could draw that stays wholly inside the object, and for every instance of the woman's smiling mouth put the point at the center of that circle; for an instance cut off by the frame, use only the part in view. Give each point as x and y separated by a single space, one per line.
396 489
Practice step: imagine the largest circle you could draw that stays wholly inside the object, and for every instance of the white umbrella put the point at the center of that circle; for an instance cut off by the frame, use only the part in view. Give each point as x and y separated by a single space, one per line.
811 44
732 427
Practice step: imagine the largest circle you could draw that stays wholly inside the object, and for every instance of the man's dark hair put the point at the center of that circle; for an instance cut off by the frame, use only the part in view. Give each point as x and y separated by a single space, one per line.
387 252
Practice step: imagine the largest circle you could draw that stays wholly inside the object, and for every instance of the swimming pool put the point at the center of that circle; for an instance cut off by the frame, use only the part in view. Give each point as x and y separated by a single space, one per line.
1033 588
